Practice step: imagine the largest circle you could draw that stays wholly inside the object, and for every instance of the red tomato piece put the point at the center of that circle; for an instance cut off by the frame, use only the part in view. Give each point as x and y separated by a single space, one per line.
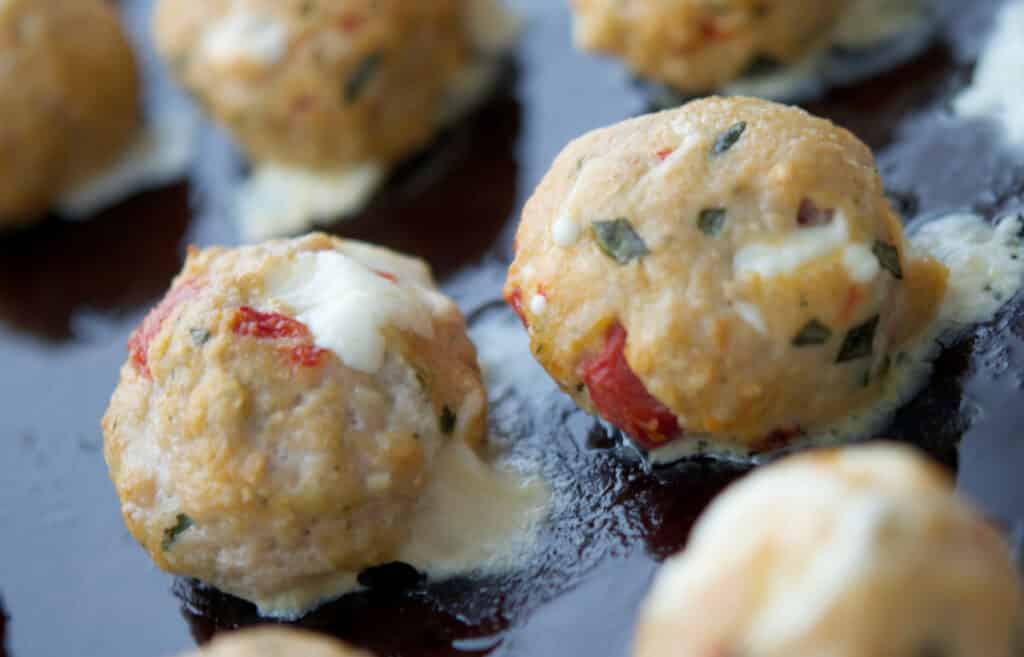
138 343
621 398
515 299
307 355
272 326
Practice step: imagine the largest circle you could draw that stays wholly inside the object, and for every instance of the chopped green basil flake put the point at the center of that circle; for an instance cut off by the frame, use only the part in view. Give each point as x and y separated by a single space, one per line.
448 421
199 336
812 334
362 76
728 139
711 221
619 241
171 534
889 257
859 342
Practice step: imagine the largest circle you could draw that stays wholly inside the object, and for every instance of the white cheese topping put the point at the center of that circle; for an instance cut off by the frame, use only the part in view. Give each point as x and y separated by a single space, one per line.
246 36
346 304
997 91
750 314
861 263
565 231
281 200
796 250
538 304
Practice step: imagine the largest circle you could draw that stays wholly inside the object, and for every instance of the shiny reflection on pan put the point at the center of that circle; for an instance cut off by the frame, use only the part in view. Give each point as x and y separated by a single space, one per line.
119 260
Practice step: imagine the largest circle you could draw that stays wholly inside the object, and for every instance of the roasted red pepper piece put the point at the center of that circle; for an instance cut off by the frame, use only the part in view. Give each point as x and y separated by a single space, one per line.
275 326
620 395
515 299
138 343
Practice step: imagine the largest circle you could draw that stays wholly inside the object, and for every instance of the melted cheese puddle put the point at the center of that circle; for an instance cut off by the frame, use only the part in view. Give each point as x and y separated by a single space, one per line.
986 264
997 92
278 200
475 517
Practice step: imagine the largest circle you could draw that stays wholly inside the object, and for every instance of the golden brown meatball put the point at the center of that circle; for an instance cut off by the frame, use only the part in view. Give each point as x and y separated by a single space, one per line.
323 84
283 410
729 271
275 642
699 45
69 99
847 553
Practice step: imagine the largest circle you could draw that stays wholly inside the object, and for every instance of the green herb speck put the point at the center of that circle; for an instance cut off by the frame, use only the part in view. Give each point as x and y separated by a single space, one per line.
859 342
362 76
448 421
728 139
889 257
199 336
618 240
711 221
814 333
171 534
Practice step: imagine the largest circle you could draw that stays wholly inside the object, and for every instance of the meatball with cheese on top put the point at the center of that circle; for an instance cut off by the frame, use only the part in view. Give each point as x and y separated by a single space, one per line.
69 100
729 272
699 45
282 412
847 553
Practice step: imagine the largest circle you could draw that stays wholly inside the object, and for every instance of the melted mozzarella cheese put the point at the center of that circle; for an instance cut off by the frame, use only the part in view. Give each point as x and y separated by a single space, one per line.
346 305
796 250
246 36
565 231
997 91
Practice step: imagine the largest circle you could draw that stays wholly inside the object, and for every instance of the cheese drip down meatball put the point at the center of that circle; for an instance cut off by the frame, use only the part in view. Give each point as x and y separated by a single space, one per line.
846 553
321 85
275 642
282 411
729 271
699 45
69 100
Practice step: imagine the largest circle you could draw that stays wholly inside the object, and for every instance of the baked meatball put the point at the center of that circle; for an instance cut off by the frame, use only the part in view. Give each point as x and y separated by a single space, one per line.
847 553
321 85
699 45
69 99
275 642
281 412
728 271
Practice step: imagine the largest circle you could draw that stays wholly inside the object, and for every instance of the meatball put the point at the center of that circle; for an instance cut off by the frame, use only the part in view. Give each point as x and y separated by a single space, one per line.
727 271
69 99
275 642
321 85
699 45
281 412
846 553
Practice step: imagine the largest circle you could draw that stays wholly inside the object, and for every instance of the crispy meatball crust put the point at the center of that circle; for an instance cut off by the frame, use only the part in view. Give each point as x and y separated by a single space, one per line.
847 553
322 85
699 45
69 99
275 642
250 458
730 268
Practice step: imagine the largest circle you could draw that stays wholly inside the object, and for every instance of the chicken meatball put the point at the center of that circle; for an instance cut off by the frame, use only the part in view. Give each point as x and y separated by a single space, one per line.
321 85
69 100
853 552
699 45
275 642
281 412
728 271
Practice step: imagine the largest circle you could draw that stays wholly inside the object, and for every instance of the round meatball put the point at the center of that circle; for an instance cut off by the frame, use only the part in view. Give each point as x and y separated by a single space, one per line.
281 412
318 84
69 99
699 45
729 270
846 553
275 642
